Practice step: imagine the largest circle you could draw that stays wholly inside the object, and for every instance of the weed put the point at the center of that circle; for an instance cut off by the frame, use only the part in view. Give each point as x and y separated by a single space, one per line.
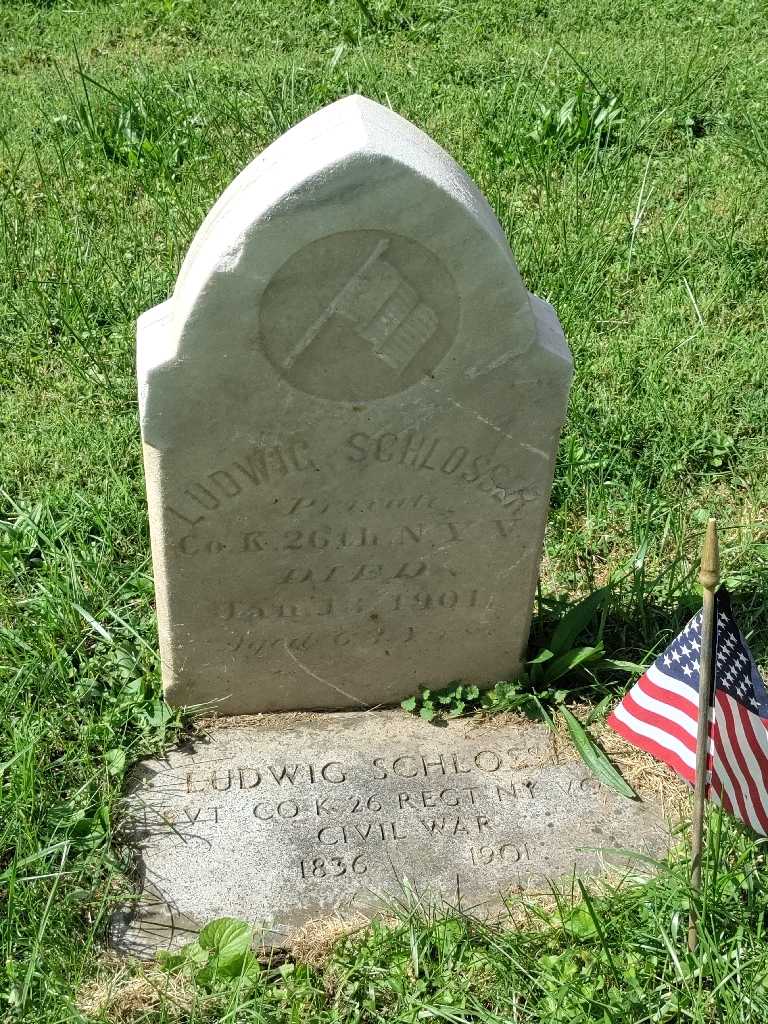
220 954
451 702
581 120
534 692
157 130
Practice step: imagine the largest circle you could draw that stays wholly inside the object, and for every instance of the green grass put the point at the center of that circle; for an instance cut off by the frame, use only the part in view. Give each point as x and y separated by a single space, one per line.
623 147
619 955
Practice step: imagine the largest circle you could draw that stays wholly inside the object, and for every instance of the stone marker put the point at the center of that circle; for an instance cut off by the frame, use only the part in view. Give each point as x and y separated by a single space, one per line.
303 817
350 410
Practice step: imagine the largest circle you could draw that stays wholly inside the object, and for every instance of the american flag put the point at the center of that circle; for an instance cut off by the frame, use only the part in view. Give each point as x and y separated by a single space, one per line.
660 712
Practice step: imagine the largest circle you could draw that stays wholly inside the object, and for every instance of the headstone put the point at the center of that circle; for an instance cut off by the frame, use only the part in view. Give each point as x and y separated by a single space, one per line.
350 410
301 817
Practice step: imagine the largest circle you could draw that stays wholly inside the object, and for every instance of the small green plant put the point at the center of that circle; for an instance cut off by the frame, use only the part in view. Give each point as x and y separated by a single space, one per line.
712 453
161 131
584 119
556 671
561 666
220 954
451 702
535 692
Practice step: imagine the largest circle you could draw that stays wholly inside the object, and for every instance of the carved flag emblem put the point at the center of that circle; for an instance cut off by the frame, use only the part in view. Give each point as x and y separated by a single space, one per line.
384 309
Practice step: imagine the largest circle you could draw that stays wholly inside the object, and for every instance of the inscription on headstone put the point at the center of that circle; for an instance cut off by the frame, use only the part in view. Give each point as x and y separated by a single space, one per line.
298 819
350 410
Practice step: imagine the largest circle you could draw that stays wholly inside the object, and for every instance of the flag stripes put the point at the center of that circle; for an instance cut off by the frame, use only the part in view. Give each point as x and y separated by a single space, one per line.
660 715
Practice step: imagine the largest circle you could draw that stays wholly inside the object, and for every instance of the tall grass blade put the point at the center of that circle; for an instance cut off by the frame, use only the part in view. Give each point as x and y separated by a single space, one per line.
594 758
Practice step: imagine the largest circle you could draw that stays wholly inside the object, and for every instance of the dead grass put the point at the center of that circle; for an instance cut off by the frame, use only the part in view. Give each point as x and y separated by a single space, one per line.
124 990
313 943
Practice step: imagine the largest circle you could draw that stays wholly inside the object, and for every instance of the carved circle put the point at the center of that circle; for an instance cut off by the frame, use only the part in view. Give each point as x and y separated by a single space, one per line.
358 315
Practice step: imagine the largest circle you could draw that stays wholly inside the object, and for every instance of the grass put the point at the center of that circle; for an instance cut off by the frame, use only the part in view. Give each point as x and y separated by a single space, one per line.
623 147
618 955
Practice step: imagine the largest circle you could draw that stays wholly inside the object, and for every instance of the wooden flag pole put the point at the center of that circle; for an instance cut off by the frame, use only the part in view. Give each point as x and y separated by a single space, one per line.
709 575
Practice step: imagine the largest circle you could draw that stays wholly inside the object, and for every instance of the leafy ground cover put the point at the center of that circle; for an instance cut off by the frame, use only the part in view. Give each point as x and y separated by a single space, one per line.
623 147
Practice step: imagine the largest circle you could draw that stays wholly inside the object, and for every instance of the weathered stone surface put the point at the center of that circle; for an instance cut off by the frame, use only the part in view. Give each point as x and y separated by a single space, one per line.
302 817
350 410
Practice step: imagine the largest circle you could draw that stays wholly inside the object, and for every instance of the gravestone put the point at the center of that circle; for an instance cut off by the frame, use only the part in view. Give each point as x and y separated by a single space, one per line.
303 817
350 410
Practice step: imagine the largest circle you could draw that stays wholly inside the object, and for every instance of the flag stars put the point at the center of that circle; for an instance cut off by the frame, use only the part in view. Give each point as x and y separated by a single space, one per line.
732 663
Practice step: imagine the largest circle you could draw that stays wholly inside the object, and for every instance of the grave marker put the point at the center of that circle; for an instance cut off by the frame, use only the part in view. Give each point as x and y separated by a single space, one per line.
350 409
301 817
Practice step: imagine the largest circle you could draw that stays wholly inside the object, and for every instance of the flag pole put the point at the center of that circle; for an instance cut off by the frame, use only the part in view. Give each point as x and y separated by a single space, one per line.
709 575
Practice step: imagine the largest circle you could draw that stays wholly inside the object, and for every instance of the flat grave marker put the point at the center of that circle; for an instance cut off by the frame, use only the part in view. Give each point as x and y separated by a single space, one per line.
302 817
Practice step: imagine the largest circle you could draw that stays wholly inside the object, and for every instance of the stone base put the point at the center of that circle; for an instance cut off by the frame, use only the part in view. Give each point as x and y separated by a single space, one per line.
298 817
